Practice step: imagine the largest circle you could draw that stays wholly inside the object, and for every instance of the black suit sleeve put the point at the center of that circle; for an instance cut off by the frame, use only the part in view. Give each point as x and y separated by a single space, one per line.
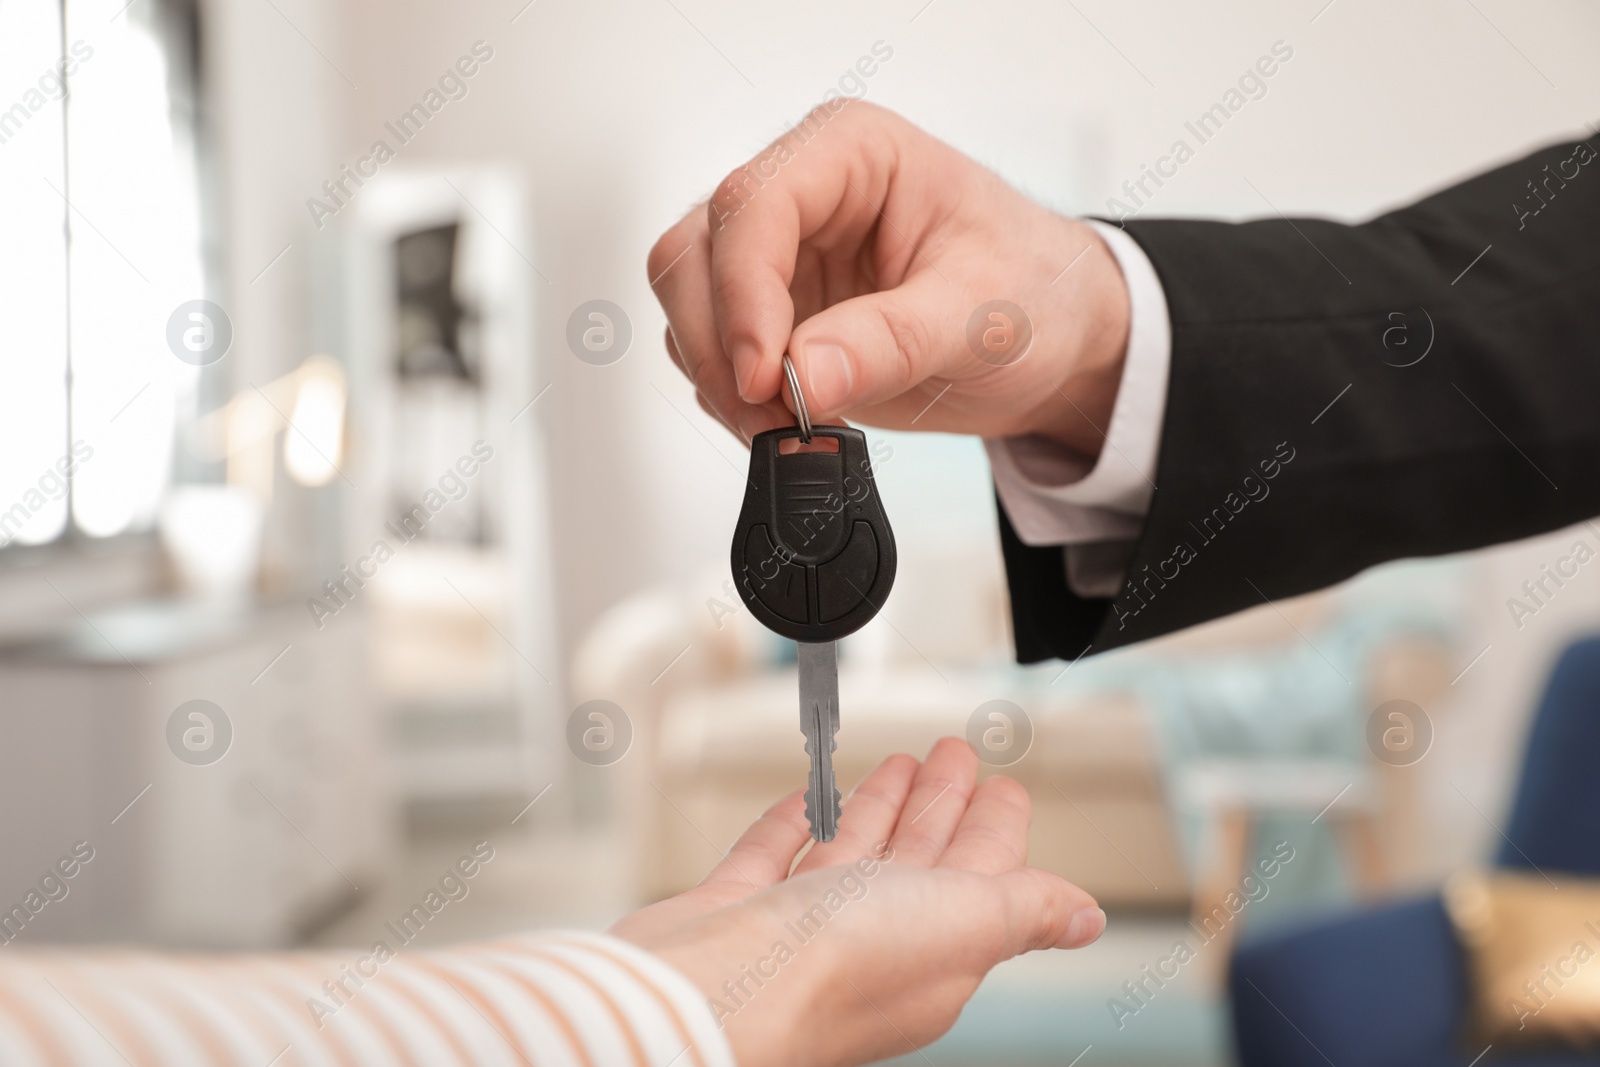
1341 395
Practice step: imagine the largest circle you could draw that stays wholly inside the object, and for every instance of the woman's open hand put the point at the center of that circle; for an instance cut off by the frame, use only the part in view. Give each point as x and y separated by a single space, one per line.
876 940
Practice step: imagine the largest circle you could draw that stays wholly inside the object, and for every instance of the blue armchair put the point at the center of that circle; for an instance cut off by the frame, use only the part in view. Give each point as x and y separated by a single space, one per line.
1386 987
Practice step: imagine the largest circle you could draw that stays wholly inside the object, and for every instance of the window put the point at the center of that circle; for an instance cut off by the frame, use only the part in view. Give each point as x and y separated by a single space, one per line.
100 243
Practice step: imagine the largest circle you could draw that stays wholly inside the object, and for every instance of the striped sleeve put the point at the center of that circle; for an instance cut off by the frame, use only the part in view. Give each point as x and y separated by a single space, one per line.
555 999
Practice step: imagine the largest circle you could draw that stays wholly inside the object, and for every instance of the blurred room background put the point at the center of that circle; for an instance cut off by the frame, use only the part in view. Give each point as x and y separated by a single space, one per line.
352 512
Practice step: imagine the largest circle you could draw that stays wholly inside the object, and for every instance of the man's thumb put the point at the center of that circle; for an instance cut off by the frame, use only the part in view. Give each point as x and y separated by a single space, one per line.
872 348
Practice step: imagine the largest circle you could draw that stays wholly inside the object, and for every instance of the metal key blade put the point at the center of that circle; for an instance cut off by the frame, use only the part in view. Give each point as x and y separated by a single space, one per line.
819 721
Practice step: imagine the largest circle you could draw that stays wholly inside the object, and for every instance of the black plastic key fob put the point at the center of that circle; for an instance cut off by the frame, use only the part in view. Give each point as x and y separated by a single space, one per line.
813 555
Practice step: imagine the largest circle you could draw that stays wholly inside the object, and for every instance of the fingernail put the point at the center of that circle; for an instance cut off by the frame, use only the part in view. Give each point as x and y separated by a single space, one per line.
1085 927
828 376
746 355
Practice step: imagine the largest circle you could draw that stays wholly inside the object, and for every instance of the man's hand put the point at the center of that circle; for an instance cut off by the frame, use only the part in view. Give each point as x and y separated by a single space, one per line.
880 936
865 248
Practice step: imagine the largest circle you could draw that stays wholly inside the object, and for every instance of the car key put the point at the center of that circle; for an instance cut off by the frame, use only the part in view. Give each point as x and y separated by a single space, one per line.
813 559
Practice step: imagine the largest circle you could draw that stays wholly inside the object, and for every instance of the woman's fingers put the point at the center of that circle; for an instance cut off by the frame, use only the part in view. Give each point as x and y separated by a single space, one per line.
1044 910
992 837
938 798
764 853
869 817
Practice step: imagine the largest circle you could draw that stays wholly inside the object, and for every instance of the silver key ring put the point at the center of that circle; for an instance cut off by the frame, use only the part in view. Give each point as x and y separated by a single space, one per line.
801 414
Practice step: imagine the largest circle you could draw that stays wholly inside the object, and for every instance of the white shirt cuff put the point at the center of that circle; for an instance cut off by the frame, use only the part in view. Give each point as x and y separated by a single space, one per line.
1052 495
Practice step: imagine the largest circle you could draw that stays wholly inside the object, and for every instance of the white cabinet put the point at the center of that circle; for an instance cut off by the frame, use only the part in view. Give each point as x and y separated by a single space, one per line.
282 831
